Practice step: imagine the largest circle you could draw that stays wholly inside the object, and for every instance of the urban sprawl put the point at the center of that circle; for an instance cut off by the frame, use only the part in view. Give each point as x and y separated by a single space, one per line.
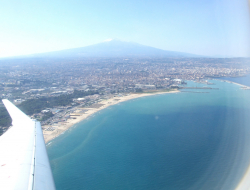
68 85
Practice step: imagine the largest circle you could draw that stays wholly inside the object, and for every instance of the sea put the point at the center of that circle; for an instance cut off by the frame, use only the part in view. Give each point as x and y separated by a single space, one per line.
196 139
245 80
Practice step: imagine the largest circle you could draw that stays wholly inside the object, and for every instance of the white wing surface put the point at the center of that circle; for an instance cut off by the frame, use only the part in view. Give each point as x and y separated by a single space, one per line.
24 162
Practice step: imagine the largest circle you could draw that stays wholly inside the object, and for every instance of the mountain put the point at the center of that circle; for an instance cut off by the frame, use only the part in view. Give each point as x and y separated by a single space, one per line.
115 48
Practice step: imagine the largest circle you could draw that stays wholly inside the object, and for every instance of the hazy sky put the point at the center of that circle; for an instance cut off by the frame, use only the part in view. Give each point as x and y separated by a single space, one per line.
205 27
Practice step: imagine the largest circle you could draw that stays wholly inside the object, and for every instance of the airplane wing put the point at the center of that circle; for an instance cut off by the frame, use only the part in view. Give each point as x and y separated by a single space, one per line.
24 162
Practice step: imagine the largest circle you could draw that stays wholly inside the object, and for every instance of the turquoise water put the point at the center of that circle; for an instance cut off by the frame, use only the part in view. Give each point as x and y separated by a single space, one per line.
173 141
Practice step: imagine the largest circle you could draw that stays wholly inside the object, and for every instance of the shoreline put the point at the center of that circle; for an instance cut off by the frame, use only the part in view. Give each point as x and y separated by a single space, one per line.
243 184
53 131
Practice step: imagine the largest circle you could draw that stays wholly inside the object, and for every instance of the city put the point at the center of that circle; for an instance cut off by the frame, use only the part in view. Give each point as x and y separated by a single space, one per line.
97 79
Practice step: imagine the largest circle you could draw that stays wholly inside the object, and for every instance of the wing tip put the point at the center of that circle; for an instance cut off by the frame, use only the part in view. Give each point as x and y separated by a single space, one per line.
7 103
5 100
15 113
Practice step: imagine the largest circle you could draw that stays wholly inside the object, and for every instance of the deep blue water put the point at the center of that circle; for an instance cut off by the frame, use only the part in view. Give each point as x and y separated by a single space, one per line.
171 141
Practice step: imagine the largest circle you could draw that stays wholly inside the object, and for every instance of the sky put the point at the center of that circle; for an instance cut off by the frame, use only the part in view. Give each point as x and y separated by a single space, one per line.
203 27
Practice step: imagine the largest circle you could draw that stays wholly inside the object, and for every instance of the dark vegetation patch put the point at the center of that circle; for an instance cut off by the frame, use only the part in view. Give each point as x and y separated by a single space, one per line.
33 106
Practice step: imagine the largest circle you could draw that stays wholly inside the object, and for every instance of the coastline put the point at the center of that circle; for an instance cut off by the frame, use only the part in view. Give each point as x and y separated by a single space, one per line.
54 131
242 184
80 114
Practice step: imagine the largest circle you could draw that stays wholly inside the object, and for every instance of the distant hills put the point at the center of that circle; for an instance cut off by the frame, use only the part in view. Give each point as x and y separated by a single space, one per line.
115 48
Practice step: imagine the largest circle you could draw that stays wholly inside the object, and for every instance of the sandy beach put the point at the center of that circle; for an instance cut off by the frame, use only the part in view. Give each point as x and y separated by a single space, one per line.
50 132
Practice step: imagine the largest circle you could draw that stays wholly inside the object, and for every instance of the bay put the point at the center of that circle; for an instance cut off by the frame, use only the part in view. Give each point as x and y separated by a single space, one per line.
187 140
